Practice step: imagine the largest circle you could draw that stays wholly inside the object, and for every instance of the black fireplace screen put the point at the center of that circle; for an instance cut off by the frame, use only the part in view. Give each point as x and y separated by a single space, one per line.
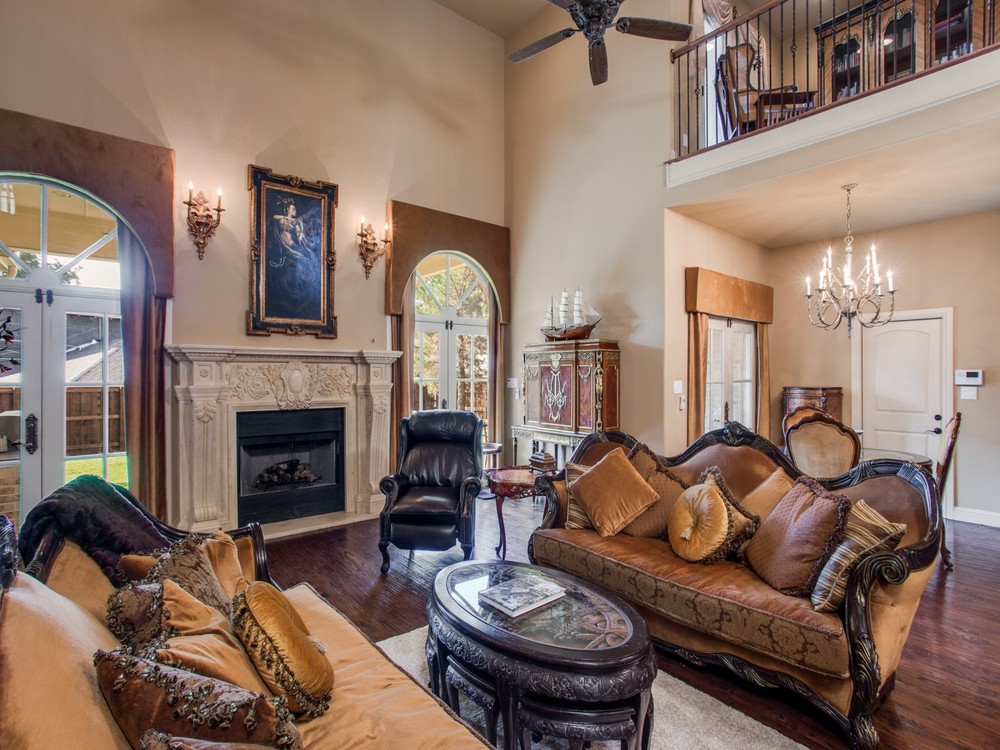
290 464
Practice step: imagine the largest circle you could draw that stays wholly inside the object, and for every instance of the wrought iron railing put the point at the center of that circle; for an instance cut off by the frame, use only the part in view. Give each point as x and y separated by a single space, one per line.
791 58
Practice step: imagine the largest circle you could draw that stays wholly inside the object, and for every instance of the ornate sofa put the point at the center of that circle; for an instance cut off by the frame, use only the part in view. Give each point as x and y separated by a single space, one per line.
52 621
723 614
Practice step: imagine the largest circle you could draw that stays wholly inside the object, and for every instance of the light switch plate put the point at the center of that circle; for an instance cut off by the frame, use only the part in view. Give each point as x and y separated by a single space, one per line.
512 383
678 386
968 393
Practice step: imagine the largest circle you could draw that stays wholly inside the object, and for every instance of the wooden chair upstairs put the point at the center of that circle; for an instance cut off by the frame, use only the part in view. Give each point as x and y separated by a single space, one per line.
822 446
948 439
739 84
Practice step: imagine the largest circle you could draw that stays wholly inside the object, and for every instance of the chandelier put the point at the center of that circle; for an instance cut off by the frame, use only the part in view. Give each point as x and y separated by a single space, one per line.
843 296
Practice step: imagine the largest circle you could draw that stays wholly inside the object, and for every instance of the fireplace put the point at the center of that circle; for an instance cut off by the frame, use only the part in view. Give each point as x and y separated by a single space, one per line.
289 464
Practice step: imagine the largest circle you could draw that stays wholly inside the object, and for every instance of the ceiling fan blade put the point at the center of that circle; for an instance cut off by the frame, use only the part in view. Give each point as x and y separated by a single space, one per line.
564 4
598 63
652 28
542 44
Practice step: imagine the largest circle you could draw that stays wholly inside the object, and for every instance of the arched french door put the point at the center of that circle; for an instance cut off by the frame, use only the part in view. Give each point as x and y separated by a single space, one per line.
62 398
451 341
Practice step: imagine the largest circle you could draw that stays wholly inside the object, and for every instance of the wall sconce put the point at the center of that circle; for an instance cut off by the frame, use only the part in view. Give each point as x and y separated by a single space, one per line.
201 223
369 248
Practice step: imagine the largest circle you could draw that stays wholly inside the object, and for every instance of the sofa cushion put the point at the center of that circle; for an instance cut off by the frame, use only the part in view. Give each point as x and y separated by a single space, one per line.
576 516
798 536
46 653
726 599
612 493
188 564
223 555
200 639
145 695
866 533
134 612
290 661
652 522
75 575
760 501
707 522
372 697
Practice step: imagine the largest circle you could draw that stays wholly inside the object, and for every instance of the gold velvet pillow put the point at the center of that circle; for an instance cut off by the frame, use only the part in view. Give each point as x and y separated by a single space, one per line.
707 522
798 536
289 660
576 516
198 638
867 532
761 499
652 523
145 695
612 493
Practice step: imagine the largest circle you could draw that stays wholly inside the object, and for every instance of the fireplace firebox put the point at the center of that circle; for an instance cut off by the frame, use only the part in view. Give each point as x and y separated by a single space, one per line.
290 464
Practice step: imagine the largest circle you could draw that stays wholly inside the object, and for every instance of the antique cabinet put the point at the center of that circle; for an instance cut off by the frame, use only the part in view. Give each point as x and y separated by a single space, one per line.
570 389
828 399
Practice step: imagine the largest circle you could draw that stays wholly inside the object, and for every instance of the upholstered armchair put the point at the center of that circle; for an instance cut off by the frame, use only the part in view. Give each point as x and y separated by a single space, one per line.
430 502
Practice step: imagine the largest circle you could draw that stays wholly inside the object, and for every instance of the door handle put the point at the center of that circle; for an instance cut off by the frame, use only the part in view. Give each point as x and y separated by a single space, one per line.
444 403
936 430
31 433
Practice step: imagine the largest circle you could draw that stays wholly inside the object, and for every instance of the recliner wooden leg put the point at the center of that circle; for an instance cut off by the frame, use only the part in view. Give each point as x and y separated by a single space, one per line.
383 547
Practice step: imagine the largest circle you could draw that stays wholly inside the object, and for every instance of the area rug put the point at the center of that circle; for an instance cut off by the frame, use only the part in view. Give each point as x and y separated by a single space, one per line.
684 717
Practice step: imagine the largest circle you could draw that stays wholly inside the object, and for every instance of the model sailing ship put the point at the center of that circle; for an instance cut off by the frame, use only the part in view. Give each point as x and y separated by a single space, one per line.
563 323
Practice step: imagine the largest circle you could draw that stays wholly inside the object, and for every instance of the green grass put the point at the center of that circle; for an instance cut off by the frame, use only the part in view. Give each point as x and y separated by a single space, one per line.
117 469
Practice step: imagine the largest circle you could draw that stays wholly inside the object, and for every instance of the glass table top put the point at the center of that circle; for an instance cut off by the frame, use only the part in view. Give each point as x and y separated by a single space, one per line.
580 620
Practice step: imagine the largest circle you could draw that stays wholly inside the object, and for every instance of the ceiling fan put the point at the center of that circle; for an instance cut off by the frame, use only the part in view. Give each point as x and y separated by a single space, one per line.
593 18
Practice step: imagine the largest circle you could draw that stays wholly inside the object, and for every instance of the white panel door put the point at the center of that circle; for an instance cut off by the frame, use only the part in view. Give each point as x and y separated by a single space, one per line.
903 386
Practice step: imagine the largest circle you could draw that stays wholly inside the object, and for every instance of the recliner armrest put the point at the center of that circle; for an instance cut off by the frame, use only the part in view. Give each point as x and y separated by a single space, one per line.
471 487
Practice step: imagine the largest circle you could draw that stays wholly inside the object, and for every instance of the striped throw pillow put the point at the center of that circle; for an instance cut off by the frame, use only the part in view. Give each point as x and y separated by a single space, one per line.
576 516
866 533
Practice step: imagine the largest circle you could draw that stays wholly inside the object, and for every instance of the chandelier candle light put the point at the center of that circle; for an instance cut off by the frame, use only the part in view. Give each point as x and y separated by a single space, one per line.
843 296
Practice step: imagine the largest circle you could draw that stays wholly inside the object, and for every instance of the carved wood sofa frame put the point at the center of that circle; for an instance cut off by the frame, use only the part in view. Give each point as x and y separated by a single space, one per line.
886 567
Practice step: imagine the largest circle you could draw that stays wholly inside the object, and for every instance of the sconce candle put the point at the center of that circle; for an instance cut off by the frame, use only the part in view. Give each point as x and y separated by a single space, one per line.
371 249
201 223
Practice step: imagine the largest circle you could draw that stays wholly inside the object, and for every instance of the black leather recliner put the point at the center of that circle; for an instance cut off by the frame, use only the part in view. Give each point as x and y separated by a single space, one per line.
431 499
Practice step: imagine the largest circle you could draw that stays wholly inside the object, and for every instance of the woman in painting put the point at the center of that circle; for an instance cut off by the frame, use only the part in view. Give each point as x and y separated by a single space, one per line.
293 261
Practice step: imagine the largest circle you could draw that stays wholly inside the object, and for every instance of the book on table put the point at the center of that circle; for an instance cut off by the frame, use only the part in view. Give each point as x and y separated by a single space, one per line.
520 595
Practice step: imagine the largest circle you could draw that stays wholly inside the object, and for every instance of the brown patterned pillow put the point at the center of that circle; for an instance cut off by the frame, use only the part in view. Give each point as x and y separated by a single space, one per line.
187 564
798 536
134 613
289 660
707 522
144 695
612 493
867 532
652 523
576 516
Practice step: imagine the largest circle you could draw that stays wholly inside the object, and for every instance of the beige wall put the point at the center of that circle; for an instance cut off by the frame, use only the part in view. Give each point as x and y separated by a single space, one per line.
950 263
397 99
585 187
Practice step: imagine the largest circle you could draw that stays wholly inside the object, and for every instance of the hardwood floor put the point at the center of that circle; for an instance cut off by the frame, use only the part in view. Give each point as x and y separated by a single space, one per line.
947 684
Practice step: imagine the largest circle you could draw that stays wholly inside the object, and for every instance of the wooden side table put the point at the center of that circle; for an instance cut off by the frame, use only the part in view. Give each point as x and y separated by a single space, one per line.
509 482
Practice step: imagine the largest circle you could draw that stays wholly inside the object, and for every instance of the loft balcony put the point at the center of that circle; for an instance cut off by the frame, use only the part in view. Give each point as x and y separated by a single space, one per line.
804 95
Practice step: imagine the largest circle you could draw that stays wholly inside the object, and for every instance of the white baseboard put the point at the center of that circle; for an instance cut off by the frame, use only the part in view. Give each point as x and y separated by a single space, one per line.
971 515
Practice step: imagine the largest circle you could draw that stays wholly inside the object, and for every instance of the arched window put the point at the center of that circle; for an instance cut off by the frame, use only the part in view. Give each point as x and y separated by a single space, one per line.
451 335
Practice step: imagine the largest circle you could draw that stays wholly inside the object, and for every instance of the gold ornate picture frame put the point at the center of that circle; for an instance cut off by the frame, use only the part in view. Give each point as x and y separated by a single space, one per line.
292 255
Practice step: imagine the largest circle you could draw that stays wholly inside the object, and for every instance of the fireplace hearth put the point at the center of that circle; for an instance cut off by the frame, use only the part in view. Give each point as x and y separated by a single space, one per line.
290 464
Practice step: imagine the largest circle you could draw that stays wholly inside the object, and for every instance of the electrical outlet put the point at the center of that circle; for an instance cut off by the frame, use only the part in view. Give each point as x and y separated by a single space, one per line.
682 403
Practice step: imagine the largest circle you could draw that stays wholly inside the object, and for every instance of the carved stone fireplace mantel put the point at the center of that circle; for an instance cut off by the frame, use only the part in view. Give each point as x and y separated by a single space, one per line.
211 384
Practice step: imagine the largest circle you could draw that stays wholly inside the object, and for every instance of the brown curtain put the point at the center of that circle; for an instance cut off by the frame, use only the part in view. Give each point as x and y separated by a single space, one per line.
143 323
763 382
697 360
495 408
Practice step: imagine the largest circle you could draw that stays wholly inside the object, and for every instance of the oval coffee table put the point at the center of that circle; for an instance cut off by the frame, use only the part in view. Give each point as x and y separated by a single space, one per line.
580 667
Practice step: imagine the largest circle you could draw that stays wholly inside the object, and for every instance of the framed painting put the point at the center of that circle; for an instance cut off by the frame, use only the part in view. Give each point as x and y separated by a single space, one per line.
292 256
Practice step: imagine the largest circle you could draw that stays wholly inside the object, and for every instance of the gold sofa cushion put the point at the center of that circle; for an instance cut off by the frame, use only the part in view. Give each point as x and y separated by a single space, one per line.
707 522
372 697
653 521
289 660
47 645
725 599
612 493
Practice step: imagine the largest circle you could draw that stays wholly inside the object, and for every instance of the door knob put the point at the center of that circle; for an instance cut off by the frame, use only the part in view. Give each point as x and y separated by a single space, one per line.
937 417
936 430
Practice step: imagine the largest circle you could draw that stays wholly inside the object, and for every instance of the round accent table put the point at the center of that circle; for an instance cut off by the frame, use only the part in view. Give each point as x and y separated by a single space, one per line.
580 667
509 482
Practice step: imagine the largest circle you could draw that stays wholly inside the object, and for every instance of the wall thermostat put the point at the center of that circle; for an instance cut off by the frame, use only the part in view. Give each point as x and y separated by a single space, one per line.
968 377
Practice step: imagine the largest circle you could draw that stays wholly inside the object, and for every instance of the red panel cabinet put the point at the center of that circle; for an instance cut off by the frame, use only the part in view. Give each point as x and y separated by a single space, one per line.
572 386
